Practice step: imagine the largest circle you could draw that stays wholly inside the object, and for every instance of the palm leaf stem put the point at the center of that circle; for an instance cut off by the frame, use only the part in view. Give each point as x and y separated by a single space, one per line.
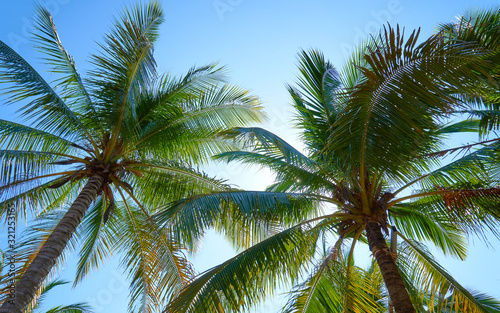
420 195
131 195
327 174
462 148
36 177
324 198
116 131
410 183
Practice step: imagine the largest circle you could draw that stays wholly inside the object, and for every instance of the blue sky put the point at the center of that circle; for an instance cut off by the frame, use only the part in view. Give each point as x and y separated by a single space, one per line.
258 41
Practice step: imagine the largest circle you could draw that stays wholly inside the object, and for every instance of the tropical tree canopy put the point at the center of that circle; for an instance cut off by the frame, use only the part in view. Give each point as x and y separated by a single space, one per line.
374 135
117 143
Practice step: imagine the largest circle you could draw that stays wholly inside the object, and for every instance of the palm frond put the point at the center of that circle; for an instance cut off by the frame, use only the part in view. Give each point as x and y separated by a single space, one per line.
472 209
16 163
389 116
156 264
203 117
49 44
169 90
478 167
258 211
350 73
35 197
299 177
316 98
434 281
164 182
274 261
488 302
420 222
262 141
44 105
97 242
125 67
462 126
20 137
72 308
329 285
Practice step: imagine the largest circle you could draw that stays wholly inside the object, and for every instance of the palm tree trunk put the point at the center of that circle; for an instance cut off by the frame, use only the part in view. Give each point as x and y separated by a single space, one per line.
39 268
393 281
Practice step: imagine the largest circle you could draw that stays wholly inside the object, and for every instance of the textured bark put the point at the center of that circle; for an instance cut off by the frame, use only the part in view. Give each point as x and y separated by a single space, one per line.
37 271
393 281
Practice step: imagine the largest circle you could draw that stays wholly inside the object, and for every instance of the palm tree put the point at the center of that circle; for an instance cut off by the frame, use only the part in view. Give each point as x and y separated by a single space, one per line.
121 140
370 132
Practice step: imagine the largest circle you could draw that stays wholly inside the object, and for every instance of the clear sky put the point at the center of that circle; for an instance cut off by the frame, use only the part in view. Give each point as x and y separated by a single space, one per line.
258 40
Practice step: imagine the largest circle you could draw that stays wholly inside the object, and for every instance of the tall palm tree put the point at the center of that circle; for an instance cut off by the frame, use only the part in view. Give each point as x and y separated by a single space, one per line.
370 132
122 140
